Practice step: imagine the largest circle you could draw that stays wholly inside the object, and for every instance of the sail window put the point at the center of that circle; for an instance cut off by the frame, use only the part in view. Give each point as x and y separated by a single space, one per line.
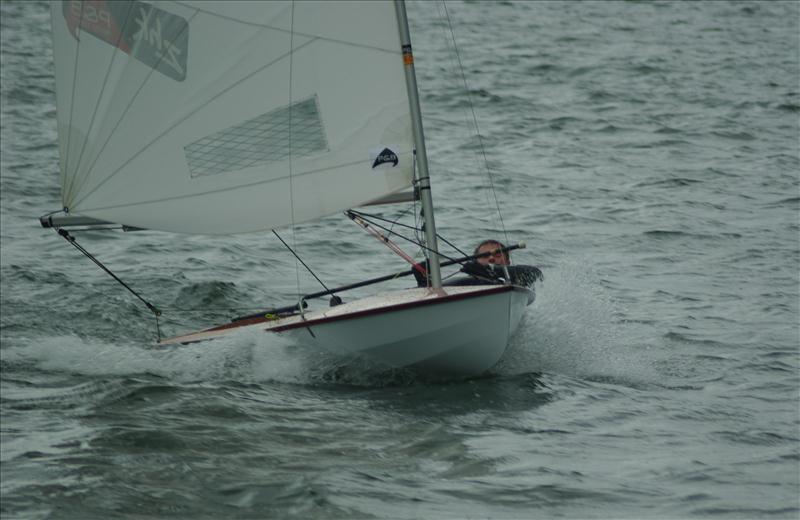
263 139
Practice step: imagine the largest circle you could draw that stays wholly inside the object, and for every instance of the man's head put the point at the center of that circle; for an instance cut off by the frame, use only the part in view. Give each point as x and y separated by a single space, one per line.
497 257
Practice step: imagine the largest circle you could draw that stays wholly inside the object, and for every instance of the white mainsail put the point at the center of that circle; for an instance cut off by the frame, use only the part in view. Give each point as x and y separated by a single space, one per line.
204 117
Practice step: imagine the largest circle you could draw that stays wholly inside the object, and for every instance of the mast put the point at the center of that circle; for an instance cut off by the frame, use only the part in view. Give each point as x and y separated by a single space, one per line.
419 143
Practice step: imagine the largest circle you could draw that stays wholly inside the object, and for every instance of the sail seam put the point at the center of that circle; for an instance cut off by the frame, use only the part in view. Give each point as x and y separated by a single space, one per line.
77 181
66 191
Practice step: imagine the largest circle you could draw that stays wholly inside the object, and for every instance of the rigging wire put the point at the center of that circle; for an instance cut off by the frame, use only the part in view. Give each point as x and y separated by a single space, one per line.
451 244
452 72
477 130
397 219
475 120
369 227
156 312
368 216
417 212
297 258
395 222
416 242
291 179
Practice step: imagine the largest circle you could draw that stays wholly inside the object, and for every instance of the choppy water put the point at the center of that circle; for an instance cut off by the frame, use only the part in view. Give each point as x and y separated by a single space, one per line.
648 154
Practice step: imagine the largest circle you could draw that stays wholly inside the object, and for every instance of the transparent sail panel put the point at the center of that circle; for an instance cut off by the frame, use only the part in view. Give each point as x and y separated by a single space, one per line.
295 130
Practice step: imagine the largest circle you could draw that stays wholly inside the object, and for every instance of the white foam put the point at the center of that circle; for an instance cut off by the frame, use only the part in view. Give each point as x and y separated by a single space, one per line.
574 328
245 356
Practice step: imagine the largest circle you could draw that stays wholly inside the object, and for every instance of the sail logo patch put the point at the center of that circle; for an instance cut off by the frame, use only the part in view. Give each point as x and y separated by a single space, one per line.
386 156
155 37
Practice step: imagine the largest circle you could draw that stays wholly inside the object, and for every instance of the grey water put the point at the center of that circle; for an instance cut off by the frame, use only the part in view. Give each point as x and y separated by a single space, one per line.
646 152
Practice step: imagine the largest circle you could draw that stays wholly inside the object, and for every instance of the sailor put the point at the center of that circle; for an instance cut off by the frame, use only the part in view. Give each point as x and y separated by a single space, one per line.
498 256
496 266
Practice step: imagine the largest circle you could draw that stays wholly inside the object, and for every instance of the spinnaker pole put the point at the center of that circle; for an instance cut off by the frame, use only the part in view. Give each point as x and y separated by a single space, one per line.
434 272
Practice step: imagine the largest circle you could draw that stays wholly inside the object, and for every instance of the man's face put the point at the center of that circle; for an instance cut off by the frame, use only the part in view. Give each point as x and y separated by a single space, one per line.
497 257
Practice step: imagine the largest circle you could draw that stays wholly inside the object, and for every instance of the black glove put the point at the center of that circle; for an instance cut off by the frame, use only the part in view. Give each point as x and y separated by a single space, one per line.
422 279
487 271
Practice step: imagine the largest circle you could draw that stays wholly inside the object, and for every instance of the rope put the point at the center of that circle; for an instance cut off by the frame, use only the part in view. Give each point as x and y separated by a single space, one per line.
291 171
156 312
300 260
423 246
368 217
475 121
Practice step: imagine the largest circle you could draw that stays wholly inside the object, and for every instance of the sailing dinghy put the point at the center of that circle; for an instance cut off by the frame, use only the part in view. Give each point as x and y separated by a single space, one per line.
231 117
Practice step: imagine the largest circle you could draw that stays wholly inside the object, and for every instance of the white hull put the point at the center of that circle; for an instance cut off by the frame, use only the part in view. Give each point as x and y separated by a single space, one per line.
458 330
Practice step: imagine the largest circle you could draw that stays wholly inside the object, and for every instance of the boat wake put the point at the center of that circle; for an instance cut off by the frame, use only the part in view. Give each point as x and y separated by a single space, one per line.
574 328
242 357
245 357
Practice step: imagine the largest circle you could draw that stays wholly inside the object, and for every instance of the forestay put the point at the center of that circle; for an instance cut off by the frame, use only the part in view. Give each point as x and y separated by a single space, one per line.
200 117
